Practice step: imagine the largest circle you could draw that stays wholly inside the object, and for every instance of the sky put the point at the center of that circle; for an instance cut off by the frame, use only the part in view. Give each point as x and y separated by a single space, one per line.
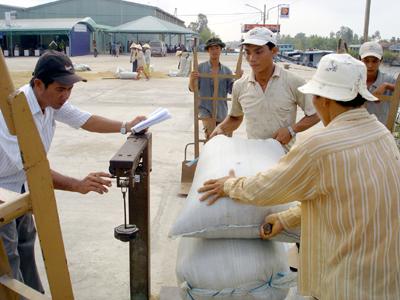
225 17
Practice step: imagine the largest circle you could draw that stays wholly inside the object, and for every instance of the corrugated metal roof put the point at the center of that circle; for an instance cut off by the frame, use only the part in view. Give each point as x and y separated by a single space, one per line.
47 24
151 24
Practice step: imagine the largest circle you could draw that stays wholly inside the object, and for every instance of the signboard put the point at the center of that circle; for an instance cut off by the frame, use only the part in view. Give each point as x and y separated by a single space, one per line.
272 27
80 28
284 11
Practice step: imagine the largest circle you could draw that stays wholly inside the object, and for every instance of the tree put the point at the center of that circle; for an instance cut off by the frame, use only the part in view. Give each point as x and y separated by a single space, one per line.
345 33
300 41
202 21
201 27
376 35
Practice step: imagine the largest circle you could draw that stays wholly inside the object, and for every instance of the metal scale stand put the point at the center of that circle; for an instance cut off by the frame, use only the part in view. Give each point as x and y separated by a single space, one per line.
131 166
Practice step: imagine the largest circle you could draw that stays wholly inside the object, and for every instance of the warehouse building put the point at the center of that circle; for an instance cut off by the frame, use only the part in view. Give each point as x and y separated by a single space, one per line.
77 25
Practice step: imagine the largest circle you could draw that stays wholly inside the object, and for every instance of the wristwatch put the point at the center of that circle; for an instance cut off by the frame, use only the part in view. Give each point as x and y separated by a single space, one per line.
291 131
123 128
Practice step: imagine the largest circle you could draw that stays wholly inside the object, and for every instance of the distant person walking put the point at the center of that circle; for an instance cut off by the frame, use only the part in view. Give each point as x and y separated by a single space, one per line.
147 58
133 56
117 49
140 63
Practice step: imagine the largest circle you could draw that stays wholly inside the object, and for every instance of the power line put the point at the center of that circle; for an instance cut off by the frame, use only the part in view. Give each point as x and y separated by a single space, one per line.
228 14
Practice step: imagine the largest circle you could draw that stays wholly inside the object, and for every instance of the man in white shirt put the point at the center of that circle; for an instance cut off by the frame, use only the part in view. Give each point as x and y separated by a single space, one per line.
47 95
267 98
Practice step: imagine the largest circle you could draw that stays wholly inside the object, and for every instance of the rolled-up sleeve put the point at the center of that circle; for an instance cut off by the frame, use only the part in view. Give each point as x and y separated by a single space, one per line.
291 218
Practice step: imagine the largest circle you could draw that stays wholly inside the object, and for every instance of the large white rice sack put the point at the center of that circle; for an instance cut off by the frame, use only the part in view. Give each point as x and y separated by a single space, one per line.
227 218
233 269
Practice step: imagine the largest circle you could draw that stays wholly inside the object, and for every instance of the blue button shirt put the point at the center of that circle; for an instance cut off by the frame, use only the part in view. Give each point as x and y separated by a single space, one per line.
380 109
206 89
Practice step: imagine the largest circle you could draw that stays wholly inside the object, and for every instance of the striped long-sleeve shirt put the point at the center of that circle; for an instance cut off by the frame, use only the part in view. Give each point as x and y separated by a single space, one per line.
347 177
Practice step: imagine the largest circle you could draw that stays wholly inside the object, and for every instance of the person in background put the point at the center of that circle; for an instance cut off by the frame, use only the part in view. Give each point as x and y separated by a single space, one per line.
378 82
347 179
133 56
141 63
214 48
47 96
147 58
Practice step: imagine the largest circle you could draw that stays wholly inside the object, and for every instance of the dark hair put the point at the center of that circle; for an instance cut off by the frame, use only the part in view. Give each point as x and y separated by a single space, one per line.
46 81
356 102
270 45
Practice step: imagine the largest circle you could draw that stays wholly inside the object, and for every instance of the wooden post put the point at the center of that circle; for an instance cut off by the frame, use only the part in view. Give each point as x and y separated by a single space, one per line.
196 102
6 89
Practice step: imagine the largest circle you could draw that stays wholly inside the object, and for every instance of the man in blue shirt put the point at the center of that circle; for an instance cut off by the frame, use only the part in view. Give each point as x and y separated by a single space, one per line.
378 82
214 48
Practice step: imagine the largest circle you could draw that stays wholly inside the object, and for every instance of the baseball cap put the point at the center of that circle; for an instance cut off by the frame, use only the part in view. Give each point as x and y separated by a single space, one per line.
371 49
339 77
259 36
214 42
56 66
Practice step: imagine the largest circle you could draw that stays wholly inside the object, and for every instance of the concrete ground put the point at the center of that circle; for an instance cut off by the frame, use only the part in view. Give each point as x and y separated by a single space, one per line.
98 263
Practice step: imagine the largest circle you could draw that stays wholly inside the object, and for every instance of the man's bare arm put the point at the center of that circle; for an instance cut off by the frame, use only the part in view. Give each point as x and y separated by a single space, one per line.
305 123
229 125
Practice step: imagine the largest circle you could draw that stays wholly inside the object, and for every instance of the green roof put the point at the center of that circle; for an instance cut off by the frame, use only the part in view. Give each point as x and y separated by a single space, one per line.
48 25
150 24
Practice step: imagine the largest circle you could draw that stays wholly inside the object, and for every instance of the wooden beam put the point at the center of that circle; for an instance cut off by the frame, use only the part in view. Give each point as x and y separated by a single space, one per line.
215 98
394 105
14 205
21 289
5 270
6 89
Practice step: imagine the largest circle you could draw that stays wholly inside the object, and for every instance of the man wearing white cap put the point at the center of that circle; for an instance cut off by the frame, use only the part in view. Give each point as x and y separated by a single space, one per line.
378 82
346 177
268 97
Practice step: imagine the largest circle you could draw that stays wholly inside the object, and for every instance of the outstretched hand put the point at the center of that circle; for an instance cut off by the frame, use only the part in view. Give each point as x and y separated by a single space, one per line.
94 182
213 189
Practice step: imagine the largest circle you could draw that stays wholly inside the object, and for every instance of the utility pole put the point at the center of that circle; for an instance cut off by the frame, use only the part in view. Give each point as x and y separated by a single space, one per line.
265 7
366 20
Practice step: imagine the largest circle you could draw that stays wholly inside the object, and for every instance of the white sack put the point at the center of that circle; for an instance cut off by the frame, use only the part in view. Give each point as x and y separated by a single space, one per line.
227 218
233 269
123 74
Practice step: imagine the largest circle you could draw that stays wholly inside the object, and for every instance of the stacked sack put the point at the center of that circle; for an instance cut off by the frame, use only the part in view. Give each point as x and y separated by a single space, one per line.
221 255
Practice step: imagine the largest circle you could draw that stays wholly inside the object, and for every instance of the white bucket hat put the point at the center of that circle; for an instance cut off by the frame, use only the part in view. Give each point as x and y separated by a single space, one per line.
371 49
259 36
339 77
